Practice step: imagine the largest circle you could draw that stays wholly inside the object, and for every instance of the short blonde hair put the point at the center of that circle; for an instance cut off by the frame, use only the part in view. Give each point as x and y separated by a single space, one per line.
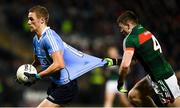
40 12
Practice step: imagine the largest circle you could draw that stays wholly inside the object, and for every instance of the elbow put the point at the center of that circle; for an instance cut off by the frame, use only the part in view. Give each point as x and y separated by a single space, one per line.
59 66
125 67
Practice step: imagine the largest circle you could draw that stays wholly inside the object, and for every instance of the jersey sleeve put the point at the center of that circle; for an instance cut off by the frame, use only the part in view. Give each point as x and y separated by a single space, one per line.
53 43
129 44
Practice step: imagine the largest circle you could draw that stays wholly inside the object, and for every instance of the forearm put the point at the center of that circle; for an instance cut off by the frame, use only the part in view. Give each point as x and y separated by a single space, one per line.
122 74
50 70
118 61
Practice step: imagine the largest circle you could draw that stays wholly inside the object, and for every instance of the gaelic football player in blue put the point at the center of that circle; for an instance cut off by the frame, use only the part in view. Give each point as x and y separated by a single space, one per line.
59 61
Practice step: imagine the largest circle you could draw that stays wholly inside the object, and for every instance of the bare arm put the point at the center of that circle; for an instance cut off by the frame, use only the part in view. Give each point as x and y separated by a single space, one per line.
58 64
125 64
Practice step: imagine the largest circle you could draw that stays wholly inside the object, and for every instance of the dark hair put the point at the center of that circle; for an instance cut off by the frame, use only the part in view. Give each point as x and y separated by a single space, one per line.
127 16
40 12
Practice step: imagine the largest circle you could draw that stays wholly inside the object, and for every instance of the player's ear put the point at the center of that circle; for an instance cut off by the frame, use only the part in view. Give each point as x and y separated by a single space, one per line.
42 20
129 26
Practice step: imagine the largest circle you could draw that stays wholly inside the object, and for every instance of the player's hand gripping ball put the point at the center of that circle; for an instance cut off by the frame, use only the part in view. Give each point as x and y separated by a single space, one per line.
25 68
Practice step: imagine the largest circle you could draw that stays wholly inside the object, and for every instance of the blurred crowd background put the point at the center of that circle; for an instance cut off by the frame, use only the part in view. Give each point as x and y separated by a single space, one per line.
88 25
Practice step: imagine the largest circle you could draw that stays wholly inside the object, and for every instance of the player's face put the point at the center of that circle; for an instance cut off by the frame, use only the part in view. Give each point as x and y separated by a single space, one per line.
124 29
33 21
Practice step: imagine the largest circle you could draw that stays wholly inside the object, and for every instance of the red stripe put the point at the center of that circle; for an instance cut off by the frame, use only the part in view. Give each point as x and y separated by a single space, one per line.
143 37
132 49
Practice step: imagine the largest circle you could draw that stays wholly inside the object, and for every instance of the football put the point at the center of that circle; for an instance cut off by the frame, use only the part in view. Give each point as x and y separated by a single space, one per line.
25 68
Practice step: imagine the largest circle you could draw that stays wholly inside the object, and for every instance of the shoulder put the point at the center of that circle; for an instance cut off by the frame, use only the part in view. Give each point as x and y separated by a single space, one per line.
51 32
51 38
130 38
136 34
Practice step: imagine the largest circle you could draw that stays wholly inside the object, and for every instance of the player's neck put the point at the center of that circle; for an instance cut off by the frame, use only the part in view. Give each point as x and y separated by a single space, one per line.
40 30
133 25
131 28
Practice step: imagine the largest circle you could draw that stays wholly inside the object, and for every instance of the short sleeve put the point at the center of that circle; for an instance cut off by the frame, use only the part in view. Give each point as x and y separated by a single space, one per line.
129 43
53 42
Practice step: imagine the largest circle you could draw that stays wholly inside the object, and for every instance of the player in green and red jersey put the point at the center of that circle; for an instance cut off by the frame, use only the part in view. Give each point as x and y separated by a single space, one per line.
142 45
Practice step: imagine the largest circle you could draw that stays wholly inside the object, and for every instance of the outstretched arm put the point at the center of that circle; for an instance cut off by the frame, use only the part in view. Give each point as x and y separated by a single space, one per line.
116 61
125 64
112 61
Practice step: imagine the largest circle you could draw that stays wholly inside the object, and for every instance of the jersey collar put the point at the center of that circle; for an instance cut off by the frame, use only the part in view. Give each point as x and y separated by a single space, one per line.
139 26
42 35
44 30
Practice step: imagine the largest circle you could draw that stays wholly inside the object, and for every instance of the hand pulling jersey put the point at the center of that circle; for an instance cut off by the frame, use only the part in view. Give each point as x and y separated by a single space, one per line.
148 52
76 63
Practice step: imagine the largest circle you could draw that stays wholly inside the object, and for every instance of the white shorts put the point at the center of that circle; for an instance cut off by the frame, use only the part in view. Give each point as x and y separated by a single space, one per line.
111 86
168 89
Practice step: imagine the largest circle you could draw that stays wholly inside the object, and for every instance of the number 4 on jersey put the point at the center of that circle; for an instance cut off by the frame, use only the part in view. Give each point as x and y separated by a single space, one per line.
156 44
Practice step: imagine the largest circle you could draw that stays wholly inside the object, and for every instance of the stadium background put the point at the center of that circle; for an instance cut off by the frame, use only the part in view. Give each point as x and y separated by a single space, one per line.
88 25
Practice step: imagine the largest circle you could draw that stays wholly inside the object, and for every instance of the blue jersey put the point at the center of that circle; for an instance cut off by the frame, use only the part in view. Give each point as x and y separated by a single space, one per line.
76 62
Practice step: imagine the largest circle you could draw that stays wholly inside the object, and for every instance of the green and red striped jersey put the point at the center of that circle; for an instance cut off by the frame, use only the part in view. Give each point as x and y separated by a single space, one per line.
148 52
